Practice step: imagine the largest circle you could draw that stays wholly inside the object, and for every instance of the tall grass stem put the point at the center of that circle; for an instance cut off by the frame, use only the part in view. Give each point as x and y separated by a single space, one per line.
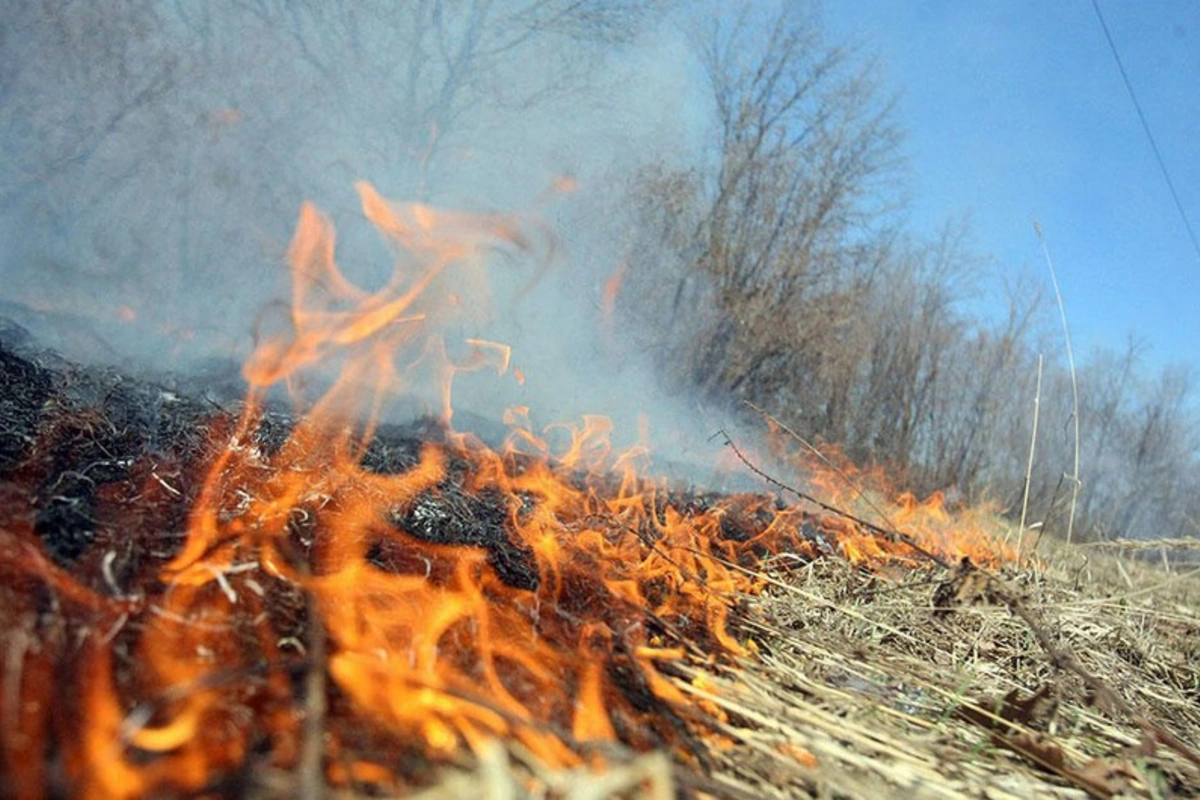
1062 313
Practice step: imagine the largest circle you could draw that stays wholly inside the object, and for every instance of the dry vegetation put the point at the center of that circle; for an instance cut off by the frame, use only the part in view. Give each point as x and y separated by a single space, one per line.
775 273
863 687
774 264
782 273
1072 674
891 695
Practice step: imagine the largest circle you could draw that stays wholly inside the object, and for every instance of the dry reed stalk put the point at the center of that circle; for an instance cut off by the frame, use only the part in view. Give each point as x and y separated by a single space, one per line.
1062 313
1037 402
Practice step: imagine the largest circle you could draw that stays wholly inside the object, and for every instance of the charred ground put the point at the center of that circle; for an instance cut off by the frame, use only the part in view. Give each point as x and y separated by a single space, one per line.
1056 680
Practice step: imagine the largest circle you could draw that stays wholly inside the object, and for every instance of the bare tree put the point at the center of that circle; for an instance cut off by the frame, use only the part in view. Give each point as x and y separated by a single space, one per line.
433 66
120 58
784 208
157 152
988 370
771 270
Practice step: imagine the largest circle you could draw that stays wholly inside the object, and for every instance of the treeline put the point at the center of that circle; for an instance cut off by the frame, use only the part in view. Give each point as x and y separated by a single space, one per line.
154 156
778 272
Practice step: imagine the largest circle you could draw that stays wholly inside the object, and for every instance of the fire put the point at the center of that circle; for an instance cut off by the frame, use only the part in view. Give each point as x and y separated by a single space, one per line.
451 593
900 526
608 298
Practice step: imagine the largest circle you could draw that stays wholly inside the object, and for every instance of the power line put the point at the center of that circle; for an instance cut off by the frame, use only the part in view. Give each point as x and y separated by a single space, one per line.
1162 165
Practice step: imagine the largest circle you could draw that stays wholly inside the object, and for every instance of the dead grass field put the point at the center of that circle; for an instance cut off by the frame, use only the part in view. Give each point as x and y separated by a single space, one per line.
862 687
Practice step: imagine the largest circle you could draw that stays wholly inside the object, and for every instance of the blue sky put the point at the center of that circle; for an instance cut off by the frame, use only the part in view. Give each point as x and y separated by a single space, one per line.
1015 111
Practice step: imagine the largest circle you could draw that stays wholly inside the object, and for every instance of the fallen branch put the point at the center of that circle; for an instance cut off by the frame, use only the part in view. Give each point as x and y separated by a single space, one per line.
1136 545
971 584
890 534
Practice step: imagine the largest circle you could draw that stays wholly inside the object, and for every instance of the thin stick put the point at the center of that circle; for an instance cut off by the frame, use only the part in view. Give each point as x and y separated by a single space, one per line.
1037 401
1145 544
1062 313
858 490
891 535
311 772
1103 695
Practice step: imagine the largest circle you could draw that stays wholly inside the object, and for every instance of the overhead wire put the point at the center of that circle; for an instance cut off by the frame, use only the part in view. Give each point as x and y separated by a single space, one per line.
1162 165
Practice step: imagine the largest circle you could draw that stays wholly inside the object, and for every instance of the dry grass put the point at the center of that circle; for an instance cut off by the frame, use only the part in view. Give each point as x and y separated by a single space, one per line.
879 688
861 688
1076 674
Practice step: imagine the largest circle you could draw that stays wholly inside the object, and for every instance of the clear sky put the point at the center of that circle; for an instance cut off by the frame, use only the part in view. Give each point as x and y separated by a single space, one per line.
1016 111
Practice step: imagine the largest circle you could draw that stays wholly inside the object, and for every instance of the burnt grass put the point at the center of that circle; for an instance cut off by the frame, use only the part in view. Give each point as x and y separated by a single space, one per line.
930 684
73 438
98 474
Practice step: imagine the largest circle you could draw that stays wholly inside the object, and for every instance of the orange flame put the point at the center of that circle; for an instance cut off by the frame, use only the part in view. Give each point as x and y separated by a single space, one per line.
608 297
431 642
535 592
